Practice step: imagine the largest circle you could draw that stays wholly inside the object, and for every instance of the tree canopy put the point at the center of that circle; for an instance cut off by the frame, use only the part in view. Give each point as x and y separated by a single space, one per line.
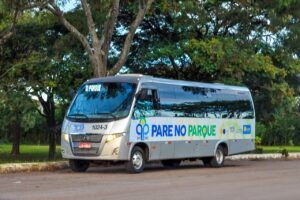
47 51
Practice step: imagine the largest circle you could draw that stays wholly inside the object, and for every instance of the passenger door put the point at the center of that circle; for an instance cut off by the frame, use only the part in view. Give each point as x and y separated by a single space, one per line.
147 106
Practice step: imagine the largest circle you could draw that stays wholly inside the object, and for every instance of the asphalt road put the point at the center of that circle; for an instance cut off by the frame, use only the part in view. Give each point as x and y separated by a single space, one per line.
237 180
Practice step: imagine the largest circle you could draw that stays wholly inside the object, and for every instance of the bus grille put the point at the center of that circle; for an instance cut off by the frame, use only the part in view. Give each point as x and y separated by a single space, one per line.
85 152
94 139
87 138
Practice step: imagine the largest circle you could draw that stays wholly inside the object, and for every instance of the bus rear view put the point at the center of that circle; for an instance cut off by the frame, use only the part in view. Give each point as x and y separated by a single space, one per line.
135 119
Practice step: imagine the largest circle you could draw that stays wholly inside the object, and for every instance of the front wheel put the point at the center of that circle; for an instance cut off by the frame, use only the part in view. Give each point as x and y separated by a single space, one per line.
136 163
79 165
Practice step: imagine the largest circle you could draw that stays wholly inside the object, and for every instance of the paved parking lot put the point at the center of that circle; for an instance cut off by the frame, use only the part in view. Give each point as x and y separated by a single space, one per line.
274 180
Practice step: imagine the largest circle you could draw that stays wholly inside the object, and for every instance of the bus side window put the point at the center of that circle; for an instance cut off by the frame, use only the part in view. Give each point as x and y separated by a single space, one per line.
146 104
244 106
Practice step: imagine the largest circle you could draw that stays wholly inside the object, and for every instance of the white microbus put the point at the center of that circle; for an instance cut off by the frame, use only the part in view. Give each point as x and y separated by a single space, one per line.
137 119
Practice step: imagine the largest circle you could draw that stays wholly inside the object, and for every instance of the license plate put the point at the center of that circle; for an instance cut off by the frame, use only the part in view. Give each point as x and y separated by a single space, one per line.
85 145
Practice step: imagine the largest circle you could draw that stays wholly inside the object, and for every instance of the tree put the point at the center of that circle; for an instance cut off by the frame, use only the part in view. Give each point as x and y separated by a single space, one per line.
7 30
37 63
234 42
16 107
10 12
97 41
252 43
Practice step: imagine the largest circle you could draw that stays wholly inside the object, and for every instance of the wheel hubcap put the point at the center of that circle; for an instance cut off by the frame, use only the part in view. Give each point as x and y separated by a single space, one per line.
219 156
137 160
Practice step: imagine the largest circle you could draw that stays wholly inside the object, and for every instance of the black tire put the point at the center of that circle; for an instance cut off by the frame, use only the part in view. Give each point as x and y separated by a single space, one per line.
206 161
171 163
79 165
137 160
219 158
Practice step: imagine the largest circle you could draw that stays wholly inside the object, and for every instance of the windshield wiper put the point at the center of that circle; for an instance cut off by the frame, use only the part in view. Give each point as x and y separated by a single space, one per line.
78 115
107 113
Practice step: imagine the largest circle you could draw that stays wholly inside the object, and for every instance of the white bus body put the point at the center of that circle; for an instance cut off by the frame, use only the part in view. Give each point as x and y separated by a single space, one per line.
136 119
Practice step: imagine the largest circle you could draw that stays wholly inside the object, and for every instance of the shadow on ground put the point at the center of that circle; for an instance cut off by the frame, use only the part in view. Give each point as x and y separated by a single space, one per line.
153 168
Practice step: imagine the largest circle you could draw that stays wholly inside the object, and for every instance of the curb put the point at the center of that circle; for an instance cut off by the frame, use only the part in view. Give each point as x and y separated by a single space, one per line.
269 156
52 166
30 167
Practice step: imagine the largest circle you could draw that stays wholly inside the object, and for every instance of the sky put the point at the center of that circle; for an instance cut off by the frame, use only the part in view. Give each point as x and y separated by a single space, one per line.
69 5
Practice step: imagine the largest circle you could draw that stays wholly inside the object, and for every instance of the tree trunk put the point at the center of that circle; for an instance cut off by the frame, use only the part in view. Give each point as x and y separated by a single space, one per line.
49 114
16 135
98 48
51 123
99 65
52 143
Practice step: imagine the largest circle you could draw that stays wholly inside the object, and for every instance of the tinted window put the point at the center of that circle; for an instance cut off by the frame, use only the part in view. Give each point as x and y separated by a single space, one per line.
227 103
244 108
200 102
197 102
102 101
146 104
167 100
187 101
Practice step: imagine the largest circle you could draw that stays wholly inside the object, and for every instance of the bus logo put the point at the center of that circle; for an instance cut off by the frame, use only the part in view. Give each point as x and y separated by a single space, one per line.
142 129
247 129
224 131
77 127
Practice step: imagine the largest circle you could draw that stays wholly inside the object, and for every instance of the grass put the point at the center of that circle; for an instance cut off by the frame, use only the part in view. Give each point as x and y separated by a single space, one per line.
28 153
278 149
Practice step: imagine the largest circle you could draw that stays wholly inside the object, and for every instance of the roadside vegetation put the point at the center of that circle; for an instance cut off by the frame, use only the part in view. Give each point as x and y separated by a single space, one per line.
30 153
47 52
279 149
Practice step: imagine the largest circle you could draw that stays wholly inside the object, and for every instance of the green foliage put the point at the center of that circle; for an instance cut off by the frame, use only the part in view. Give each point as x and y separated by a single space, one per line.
239 43
279 149
36 65
249 43
285 153
257 140
258 150
30 153
260 130
16 107
283 127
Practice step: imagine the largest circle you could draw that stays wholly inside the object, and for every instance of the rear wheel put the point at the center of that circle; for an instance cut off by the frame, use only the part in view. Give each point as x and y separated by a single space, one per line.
79 165
219 158
171 163
136 163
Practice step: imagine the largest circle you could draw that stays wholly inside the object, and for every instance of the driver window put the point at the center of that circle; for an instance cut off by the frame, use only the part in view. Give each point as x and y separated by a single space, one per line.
145 104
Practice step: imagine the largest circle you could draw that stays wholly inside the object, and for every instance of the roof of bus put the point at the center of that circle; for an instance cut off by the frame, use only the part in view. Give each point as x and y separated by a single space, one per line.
136 78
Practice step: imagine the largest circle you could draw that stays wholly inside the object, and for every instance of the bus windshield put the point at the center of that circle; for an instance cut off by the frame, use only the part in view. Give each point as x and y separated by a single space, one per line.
104 100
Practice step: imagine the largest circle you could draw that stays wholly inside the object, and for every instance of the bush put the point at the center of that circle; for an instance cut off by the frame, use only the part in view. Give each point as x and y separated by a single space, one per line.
257 140
261 130
280 129
258 150
285 153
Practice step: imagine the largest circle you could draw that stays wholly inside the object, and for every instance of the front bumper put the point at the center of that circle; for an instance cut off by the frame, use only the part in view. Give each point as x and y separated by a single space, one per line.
115 150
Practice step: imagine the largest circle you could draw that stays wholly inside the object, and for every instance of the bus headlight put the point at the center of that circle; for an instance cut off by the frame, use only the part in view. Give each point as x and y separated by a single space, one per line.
65 136
114 136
